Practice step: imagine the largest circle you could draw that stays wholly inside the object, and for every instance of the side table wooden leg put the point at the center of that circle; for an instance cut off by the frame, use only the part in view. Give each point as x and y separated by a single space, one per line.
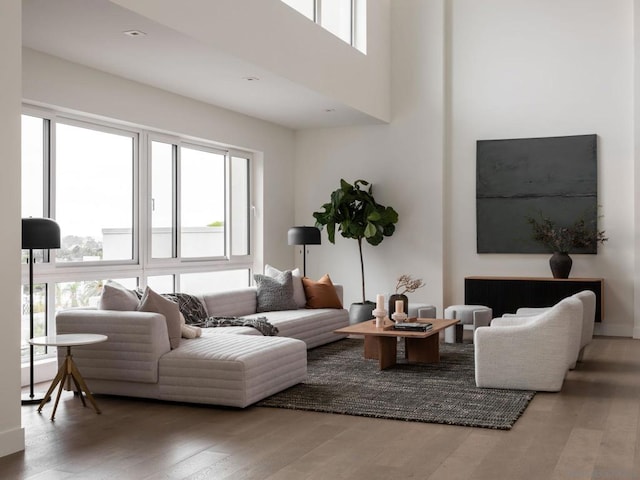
79 390
55 405
60 376
78 378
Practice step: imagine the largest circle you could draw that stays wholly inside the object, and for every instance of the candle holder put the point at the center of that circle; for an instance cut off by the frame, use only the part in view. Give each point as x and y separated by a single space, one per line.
399 317
380 314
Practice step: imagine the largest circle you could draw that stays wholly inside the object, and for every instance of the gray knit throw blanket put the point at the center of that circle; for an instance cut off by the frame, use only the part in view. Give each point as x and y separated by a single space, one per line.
261 324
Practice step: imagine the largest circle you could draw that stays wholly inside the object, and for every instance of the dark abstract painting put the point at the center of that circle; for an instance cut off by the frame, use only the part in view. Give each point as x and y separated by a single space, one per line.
519 178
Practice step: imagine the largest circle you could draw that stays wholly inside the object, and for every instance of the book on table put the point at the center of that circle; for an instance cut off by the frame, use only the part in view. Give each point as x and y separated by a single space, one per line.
413 326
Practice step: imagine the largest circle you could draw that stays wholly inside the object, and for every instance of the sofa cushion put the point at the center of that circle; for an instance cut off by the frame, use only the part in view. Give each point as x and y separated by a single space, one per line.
275 293
154 302
116 297
298 289
321 294
314 326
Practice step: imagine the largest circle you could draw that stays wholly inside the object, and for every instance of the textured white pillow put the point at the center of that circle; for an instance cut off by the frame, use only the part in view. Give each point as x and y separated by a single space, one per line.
298 289
156 303
116 297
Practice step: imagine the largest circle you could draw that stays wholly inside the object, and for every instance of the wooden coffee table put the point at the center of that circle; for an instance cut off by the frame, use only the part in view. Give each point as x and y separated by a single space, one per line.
381 342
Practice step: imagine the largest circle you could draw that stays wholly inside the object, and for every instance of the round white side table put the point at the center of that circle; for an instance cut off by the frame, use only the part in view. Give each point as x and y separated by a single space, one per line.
68 370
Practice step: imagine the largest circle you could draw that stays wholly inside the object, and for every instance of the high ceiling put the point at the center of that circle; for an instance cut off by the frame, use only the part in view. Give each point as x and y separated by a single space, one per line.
90 32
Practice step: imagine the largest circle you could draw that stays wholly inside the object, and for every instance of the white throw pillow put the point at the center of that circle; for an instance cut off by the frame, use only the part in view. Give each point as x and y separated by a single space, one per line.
298 289
116 297
156 303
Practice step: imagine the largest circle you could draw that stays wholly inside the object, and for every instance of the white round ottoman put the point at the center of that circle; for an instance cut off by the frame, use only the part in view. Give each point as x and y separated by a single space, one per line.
472 315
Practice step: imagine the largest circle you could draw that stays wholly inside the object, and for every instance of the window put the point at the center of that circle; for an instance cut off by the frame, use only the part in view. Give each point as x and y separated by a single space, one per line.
202 193
211 281
34 150
163 162
94 185
305 7
202 203
133 206
346 19
335 16
240 207
39 318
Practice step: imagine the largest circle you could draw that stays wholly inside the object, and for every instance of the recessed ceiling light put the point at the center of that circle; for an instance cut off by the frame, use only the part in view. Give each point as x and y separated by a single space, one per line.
329 110
251 79
134 33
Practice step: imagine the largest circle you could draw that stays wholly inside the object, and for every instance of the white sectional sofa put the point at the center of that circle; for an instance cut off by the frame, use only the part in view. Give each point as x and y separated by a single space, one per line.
231 366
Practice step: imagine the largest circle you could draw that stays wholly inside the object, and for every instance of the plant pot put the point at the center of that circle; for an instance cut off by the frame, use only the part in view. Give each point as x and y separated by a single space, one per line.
560 264
361 312
392 303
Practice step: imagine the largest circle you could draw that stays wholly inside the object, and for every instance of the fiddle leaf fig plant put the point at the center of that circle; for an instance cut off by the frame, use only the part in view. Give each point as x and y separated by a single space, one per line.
356 214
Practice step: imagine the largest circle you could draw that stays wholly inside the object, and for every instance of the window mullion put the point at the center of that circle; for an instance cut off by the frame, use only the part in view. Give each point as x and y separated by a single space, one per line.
175 201
353 23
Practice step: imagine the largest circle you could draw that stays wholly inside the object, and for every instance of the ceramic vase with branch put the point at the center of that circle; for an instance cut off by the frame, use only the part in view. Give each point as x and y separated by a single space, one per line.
562 240
405 284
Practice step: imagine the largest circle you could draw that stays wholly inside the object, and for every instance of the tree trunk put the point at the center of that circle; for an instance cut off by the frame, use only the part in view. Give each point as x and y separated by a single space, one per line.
361 268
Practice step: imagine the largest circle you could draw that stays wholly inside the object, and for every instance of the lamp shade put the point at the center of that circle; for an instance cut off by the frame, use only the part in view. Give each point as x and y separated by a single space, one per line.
40 233
304 236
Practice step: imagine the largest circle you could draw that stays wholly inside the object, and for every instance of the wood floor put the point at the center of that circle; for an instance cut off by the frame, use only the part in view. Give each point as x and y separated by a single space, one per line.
589 430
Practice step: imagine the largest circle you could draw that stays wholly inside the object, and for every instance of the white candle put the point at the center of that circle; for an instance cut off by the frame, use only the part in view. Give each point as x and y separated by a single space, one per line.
399 306
380 301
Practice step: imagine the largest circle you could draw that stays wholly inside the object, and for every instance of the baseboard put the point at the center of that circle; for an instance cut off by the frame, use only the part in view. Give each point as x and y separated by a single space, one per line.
11 441
614 330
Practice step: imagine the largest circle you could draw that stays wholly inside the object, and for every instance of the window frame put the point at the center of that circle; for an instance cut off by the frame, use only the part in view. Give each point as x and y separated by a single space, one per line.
135 212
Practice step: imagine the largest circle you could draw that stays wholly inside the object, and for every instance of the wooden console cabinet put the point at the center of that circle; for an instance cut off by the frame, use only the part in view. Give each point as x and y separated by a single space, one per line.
507 294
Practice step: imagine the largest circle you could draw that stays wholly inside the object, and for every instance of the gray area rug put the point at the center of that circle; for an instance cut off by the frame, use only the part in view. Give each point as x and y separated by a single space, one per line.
341 381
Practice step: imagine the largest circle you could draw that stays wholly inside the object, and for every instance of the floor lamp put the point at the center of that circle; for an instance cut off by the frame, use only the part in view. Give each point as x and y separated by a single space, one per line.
304 236
37 233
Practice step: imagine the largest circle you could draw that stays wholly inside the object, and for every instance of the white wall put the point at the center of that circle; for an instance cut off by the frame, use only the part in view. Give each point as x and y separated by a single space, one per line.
535 69
636 117
513 68
262 31
11 431
403 160
52 81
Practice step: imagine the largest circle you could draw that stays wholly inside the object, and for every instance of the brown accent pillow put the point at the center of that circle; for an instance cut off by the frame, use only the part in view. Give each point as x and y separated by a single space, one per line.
156 303
321 294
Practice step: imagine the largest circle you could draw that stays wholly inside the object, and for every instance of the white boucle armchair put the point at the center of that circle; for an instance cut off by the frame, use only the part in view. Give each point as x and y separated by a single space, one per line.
588 299
533 353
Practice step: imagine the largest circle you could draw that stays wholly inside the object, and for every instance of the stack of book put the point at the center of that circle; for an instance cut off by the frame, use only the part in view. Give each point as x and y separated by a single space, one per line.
413 327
